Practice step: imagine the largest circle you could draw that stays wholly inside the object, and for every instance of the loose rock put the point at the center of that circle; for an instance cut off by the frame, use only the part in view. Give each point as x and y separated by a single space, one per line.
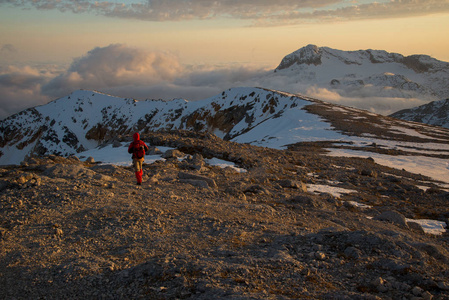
190 232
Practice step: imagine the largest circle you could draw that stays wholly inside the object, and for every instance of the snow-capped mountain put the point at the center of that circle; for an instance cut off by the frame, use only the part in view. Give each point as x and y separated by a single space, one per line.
367 73
85 119
434 113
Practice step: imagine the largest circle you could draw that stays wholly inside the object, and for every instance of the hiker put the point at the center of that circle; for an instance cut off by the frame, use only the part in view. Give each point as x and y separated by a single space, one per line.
138 148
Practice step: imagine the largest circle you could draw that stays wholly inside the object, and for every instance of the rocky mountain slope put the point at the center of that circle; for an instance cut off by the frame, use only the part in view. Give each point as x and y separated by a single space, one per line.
85 120
368 73
71 229
434 113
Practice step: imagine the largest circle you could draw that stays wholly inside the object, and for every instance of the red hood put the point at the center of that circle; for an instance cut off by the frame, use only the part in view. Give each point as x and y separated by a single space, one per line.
136 136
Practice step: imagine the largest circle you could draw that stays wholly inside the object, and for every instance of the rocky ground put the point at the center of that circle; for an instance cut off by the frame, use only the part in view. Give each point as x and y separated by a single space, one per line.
77 230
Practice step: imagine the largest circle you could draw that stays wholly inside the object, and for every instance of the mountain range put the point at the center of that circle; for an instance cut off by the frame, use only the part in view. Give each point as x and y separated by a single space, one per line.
85 119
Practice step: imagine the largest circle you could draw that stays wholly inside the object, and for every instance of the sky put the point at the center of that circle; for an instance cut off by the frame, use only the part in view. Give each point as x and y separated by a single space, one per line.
190 49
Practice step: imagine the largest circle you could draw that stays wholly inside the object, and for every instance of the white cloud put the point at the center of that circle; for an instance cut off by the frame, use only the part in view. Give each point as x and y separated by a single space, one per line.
141 74
115 65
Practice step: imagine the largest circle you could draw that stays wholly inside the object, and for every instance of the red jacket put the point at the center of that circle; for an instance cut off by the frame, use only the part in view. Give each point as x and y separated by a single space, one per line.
136 144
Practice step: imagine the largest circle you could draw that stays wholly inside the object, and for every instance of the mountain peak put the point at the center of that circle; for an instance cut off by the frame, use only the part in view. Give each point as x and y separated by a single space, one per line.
362 72
310 54
89 93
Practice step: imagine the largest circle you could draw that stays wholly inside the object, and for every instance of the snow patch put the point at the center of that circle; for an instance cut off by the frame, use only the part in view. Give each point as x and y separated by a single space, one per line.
224 164
335 191
435 168
430 226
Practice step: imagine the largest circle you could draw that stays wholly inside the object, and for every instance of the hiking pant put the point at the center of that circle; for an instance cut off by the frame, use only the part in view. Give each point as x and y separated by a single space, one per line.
138 169
137 163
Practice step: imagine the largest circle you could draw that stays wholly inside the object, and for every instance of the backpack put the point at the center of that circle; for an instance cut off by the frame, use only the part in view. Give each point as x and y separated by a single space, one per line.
138 151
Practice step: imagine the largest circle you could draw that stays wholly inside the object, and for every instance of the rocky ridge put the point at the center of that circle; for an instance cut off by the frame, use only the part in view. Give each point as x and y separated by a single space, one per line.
434 113
72 229
85 120
314 55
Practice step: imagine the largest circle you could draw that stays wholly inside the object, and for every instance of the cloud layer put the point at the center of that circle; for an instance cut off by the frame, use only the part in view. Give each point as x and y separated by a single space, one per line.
118 70
261 12
134 73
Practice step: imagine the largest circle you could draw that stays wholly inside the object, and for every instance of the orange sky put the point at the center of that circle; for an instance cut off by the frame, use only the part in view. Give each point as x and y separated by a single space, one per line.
40 36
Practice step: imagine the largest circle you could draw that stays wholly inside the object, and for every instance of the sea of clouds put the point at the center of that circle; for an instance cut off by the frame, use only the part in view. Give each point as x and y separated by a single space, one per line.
130 72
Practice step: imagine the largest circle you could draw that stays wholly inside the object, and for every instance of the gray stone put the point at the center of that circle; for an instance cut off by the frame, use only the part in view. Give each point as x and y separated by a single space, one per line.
257 189
23 178
417 291
294 184
32 161
323 201
381 285
154 151
432 250
393 217
443 286
320 255
305 200
415 227
370 173
74 158
2 232
102 177
4 184
172 153
197 183
111 169
352 252
427 296
195 162
210 182
28 180
116 144
434 190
